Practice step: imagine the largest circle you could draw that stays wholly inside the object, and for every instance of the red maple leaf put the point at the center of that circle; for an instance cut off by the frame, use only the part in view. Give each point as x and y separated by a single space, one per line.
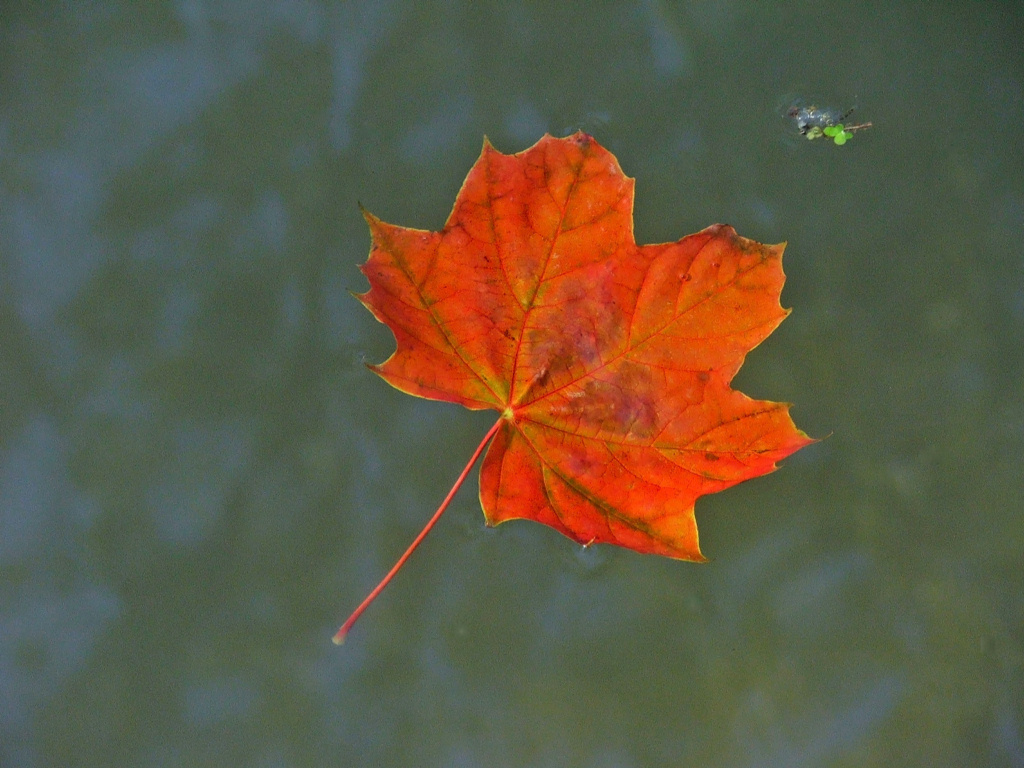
608 362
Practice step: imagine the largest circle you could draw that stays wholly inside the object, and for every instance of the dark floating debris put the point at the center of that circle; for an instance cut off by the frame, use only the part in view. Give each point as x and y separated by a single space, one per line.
813 123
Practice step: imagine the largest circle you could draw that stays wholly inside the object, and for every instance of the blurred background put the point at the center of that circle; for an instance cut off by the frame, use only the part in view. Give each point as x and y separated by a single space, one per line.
199 479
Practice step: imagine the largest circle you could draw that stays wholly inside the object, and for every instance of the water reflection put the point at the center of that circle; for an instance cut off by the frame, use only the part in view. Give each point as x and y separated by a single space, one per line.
198 477
56 606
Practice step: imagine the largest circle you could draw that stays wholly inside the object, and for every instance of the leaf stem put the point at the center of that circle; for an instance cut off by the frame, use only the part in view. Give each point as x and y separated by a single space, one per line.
339 637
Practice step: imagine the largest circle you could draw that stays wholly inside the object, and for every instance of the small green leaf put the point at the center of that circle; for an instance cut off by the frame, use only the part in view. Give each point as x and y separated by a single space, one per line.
841 138
832 130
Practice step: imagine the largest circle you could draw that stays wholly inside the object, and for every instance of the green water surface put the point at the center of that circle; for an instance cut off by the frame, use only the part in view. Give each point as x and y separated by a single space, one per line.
199 478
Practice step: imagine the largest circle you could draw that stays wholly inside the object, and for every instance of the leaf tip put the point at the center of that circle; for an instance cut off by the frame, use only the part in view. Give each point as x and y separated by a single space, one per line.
692 551
689 553
338 639
362 298
370 218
